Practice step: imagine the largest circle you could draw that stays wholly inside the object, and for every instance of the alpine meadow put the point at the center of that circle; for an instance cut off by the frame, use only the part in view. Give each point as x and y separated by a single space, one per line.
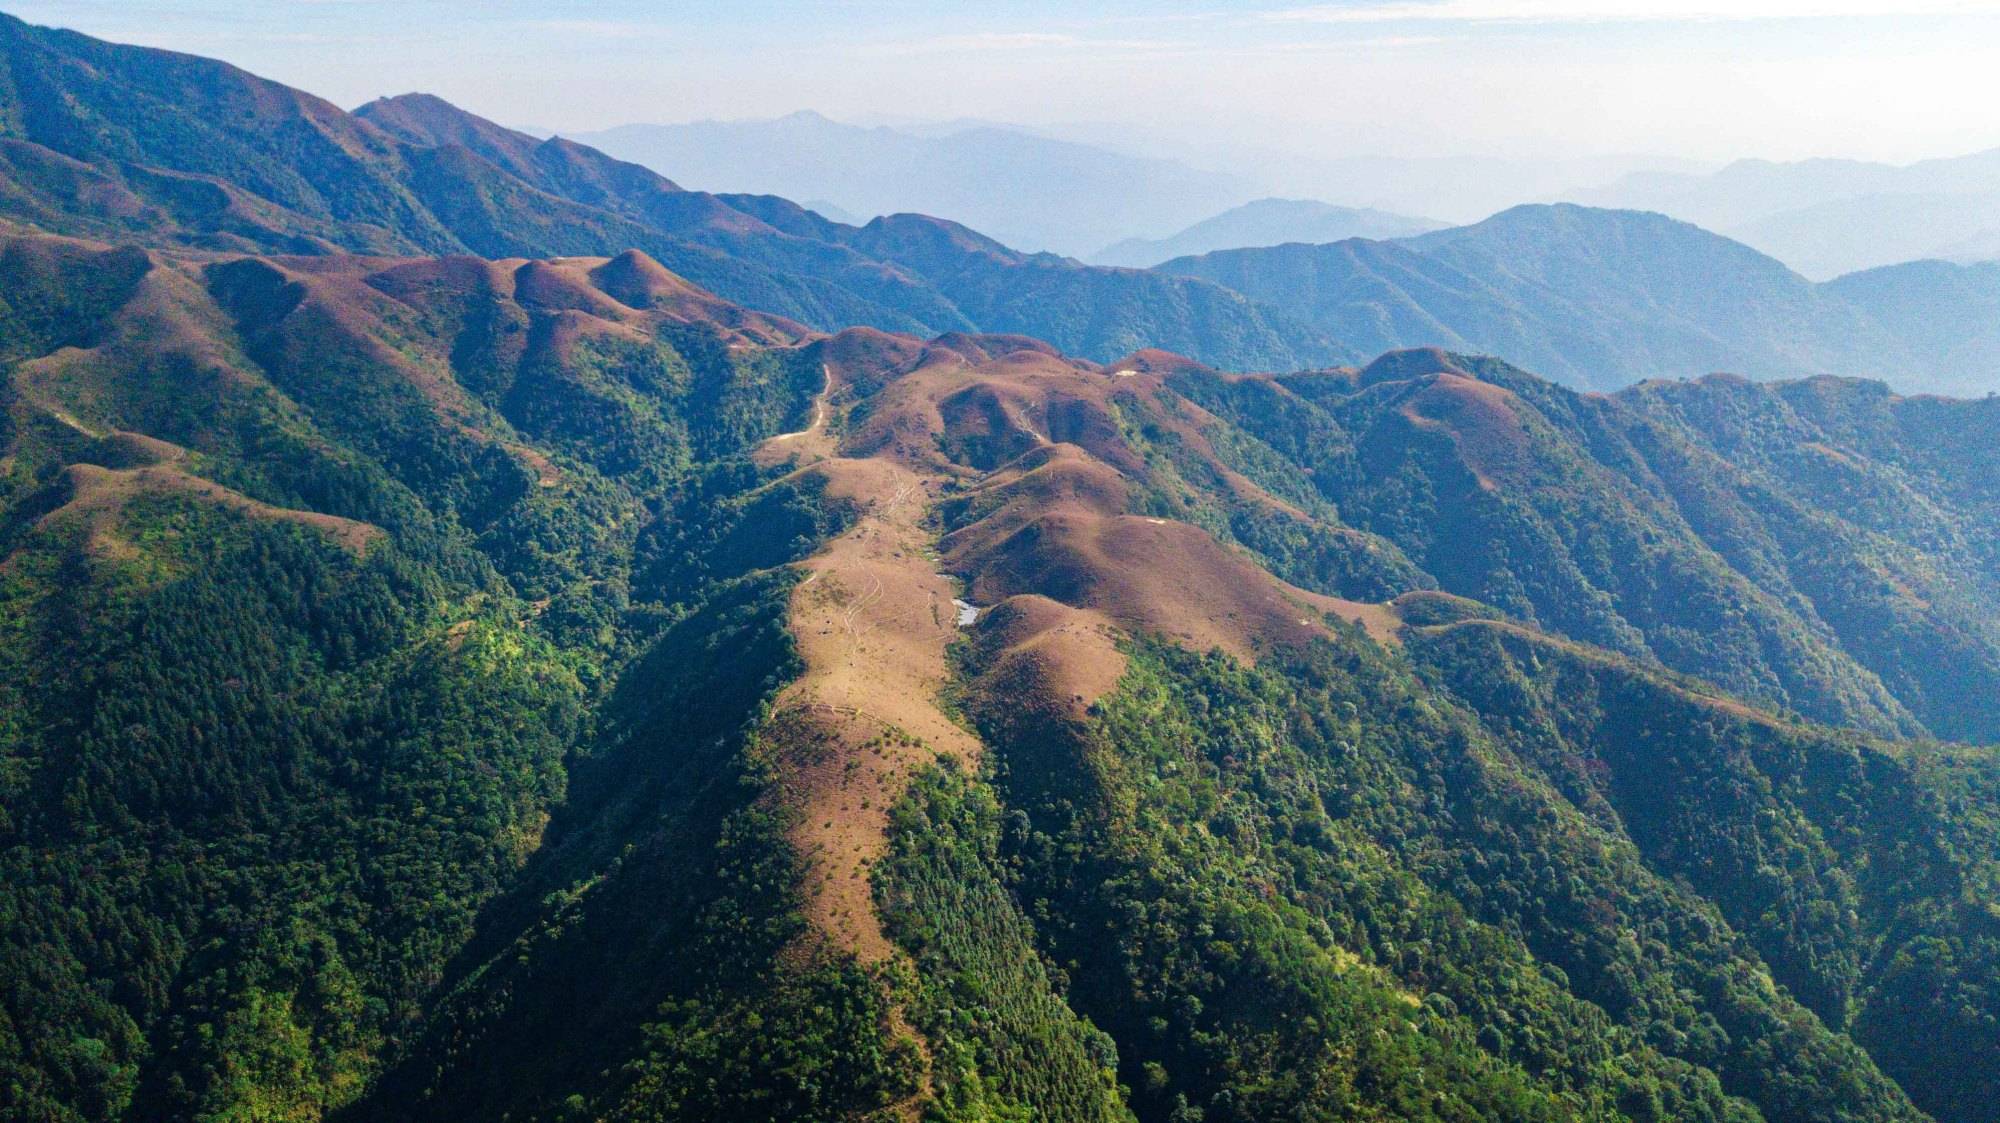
1343 625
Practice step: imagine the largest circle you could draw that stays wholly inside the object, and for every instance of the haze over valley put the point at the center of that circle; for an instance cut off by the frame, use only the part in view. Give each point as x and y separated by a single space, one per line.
1307 582
1130 204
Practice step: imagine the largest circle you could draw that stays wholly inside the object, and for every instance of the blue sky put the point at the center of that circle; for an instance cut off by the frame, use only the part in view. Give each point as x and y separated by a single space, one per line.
1875 79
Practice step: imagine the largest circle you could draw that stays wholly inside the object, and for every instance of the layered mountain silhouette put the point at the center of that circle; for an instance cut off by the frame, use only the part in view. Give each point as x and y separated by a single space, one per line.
1027 190
1265 222
1945 310
1594 298
1827 217
1601 299
533 685
108 140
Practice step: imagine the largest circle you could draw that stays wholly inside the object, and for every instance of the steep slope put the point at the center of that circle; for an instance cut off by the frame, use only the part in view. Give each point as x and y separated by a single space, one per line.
248 158
102 140
1799 836
1597 299
1819 545
538 688
307 567
130 143
1265 222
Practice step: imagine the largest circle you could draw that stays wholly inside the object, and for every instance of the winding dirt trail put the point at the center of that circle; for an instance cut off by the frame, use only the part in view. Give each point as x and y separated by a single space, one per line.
873 617
1019 440
872 621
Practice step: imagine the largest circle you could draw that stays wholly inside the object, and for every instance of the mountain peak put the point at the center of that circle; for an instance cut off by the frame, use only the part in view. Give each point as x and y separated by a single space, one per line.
636 280
1545 215
1266 222
429 119
925 238
1153 360
1413 362
131 145
413 100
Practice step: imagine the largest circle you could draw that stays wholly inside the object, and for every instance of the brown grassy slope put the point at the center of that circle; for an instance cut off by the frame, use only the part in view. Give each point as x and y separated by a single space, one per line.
1016 457
105 349
1479 417
1021 452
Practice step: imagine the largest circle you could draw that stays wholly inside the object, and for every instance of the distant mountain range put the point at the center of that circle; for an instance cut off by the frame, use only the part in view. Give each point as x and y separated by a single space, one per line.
1024 189
533 686
129 143
1105 195
1453 189
132 144
1601 299
1265 222
1949 312
1827 217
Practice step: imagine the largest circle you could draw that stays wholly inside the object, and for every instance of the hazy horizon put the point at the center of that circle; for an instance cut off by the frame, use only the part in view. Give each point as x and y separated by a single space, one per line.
506 627
1526 79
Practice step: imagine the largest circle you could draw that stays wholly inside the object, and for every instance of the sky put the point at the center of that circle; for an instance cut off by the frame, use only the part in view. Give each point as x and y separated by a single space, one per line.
1709 80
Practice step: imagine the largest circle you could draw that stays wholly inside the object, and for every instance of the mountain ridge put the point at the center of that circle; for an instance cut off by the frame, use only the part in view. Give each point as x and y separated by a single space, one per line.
653 636
162 171
537 685
1264 222
1828 217
1600 299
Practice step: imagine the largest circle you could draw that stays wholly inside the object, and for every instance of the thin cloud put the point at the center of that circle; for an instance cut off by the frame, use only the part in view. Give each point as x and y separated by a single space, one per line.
993 41
1621 11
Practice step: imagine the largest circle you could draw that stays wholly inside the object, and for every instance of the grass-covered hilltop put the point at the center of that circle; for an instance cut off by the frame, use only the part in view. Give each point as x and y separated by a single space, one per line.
454 664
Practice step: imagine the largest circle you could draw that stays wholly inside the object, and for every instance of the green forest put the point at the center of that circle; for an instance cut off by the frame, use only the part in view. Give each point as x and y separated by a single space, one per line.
453 666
